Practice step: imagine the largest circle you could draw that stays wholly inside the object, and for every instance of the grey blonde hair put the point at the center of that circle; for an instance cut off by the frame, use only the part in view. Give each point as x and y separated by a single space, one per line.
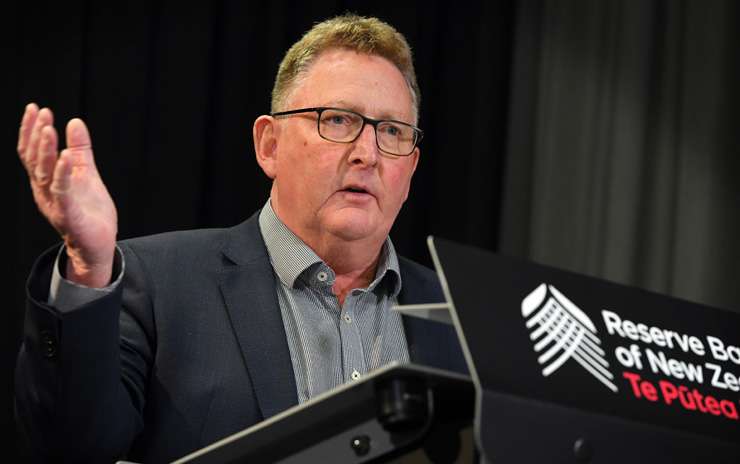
370 36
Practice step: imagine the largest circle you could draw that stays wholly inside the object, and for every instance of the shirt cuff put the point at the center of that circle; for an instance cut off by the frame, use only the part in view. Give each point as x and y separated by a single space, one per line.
65 295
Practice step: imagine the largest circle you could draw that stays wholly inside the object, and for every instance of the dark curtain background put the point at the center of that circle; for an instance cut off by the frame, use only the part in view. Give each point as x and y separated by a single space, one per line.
623 150
596 136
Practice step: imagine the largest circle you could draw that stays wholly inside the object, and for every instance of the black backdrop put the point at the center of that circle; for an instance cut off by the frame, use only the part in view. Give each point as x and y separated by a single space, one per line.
170 89
599 137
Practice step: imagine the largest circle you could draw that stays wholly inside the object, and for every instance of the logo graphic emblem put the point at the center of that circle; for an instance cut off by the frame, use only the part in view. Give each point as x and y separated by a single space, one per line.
561 331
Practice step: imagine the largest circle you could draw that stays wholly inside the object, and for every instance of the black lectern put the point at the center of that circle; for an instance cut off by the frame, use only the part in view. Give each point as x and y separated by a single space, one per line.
569 368
400 413
564 368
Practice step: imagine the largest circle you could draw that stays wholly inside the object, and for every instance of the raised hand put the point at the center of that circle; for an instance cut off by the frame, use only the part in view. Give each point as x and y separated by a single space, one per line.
71 195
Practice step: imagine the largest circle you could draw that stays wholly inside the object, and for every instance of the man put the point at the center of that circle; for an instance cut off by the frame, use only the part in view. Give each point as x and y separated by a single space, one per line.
160 345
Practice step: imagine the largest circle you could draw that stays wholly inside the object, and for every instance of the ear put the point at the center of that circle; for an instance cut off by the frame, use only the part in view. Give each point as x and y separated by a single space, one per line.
264 134
414 162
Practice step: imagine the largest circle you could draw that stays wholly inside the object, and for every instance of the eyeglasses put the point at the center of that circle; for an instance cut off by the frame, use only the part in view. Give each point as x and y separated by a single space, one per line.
344 126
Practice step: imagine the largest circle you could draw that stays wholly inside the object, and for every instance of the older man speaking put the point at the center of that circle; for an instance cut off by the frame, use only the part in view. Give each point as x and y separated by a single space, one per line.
152 347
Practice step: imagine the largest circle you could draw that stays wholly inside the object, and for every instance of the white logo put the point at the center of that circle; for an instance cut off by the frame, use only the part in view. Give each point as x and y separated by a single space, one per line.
563 331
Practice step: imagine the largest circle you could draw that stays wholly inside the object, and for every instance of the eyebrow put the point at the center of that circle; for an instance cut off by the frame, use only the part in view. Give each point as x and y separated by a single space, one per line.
347 105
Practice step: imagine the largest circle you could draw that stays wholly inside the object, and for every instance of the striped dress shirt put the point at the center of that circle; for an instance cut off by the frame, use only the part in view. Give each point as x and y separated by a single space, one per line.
331 344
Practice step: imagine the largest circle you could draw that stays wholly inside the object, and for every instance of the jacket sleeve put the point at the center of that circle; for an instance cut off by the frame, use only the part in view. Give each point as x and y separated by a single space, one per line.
81 374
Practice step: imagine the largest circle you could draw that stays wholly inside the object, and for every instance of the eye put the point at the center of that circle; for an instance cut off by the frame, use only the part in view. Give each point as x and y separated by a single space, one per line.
391 130
337 119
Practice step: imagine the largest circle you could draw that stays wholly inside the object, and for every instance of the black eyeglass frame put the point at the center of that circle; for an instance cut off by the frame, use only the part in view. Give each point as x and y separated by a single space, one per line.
419 134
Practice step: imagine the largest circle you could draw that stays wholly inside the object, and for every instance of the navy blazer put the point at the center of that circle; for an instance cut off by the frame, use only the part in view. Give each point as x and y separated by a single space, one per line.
189 349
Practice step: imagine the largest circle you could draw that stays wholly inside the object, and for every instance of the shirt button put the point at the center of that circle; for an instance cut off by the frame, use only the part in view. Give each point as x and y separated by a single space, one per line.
347 319
322 276
355 375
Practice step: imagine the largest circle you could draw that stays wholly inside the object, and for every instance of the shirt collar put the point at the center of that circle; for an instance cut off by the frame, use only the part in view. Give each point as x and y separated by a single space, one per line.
291 257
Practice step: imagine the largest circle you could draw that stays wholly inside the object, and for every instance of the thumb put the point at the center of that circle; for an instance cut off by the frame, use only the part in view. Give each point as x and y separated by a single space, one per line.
78 138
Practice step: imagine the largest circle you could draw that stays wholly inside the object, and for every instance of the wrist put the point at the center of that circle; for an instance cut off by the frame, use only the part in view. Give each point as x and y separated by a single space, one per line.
96 274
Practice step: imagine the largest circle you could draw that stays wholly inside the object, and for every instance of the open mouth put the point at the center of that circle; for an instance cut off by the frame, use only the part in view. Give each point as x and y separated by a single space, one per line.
356 193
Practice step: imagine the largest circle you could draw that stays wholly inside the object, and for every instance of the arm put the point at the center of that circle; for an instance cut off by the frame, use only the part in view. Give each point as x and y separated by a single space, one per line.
79 388
81 372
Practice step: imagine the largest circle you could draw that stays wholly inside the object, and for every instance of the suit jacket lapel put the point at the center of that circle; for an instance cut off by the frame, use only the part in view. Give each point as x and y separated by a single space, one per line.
419 342
248 287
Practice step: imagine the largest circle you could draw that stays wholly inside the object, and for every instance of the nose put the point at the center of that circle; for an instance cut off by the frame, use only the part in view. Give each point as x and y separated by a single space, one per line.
365 148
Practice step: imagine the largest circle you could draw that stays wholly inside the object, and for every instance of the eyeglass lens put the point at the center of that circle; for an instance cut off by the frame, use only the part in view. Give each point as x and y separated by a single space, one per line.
345 126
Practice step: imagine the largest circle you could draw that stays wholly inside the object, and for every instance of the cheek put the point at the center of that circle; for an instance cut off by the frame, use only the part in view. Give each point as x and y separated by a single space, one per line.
311 175
398 181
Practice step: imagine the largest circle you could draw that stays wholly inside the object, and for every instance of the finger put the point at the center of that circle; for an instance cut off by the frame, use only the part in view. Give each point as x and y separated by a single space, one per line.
44 118
24 133
47 155
62 178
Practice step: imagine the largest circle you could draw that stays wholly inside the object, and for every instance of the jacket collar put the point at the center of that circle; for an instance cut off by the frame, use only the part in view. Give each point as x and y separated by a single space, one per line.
248 288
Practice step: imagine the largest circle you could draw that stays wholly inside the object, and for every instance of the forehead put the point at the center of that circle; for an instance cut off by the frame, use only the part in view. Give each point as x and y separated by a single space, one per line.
369 84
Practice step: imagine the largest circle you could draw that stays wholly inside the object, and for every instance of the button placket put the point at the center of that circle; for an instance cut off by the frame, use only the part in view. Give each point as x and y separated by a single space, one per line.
352 349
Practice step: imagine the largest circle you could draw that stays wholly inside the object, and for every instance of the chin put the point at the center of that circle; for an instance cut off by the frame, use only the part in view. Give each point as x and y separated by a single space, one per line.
351 227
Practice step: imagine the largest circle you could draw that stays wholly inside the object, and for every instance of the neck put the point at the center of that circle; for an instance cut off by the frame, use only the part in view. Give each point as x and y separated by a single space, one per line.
354 263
